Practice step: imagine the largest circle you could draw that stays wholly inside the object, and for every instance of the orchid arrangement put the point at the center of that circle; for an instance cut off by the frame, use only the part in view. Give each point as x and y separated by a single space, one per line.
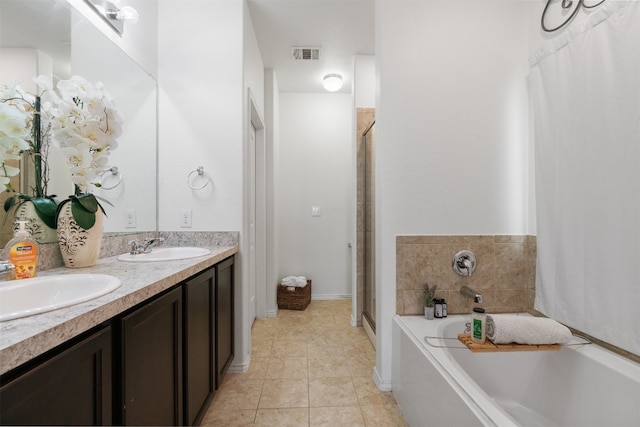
22 131
84 124
85 127
428 294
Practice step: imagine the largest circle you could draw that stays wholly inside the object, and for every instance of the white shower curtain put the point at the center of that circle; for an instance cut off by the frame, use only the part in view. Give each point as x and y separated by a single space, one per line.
585 93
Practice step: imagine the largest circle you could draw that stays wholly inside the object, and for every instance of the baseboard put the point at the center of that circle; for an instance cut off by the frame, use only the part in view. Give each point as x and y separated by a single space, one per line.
272 313
322 297
382 385
239 368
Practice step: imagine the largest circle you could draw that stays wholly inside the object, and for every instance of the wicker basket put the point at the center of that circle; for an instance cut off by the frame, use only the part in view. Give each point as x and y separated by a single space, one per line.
294 298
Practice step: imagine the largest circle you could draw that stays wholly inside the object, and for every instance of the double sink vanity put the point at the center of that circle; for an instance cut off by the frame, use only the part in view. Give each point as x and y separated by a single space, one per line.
135 340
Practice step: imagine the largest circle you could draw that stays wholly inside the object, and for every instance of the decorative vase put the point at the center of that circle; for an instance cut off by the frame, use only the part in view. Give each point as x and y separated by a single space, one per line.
428 312
40 232
79 247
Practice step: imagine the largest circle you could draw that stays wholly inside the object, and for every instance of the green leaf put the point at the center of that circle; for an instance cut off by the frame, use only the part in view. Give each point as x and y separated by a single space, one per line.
9 203
46 209
88 202
84 217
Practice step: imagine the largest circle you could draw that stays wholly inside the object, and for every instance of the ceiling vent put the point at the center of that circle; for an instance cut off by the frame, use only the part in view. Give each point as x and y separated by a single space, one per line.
305 53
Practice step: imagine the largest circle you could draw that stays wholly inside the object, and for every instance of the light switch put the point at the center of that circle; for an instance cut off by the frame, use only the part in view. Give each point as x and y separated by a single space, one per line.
130 219
185 218
315 211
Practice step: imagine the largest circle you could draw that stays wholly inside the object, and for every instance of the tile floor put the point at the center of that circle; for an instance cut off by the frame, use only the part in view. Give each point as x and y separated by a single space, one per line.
308 368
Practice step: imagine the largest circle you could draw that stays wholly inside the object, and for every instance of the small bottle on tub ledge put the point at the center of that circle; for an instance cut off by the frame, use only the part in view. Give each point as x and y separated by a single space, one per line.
478 325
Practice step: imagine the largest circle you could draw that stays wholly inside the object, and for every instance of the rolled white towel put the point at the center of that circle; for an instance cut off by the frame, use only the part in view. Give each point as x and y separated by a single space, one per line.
294 281
507 329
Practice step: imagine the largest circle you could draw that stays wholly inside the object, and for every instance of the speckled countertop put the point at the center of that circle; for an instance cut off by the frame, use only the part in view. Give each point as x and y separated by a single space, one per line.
23 339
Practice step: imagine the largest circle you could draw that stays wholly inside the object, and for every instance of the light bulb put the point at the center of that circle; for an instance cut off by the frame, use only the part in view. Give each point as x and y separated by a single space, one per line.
129 14
332 82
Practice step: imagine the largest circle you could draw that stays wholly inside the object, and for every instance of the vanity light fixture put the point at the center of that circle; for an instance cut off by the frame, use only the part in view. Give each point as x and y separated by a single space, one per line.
332 82
114 15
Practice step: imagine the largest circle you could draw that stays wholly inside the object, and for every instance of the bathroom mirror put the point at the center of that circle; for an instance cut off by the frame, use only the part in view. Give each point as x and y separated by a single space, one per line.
50 37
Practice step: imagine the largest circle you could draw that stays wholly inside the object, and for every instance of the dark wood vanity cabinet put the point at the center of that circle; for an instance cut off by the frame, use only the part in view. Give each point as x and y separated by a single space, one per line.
224 318
158 363
199 344
72 386
151 362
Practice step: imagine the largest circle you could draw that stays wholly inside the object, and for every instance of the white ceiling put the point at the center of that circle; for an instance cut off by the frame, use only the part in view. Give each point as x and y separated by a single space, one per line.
341 28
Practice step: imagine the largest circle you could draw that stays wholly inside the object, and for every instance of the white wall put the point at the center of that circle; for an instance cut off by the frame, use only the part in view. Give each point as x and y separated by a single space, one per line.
316 168
139 40
364 85
201 107
272 119
451 134
201 115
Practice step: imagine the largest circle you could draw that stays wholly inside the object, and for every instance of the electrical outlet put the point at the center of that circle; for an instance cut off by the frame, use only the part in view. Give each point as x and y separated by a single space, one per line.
130 219
185 218
316 211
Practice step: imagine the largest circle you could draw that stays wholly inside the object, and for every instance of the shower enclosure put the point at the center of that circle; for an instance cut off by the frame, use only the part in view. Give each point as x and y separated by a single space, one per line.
366 174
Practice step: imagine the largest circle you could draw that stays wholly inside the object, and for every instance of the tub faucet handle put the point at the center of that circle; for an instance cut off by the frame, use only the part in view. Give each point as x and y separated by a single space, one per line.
464 263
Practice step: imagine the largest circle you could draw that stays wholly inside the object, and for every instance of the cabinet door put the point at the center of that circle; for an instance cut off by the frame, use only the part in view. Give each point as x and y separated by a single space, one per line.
71 388
152 362
198 344
224 318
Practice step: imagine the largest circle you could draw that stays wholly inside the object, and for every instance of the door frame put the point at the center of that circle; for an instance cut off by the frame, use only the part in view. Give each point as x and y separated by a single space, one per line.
258 205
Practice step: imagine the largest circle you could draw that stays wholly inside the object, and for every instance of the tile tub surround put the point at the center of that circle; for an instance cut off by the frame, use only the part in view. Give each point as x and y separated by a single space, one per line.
505 272
23 339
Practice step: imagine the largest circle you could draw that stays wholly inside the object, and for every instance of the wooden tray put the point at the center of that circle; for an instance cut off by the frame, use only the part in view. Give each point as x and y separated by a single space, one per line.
488 346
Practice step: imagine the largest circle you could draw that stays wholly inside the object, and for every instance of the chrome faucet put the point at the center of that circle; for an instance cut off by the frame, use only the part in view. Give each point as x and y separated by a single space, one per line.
144 248
471 293
6 266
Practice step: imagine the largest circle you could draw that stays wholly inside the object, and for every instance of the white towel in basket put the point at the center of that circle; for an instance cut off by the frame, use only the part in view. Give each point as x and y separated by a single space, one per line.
294 281
507 329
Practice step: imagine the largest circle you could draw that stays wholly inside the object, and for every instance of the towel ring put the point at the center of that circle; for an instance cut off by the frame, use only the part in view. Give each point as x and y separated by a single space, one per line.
114 172
200 172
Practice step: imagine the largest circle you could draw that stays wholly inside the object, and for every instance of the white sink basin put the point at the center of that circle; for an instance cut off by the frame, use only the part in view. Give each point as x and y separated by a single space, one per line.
165 254
26 297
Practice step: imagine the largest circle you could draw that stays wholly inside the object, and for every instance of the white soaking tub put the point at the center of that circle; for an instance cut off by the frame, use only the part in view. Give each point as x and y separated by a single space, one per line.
439 382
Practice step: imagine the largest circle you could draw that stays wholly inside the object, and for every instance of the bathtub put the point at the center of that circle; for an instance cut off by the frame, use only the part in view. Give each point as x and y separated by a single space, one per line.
439 382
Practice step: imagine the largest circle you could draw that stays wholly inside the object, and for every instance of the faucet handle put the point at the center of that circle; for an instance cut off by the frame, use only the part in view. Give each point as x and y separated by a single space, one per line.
135 247
6 266
464 263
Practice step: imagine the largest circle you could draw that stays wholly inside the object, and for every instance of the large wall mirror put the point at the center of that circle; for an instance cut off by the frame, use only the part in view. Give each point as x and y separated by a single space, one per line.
50 37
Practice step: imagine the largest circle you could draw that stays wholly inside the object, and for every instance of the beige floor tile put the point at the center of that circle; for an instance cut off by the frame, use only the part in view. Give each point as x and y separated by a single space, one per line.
282 417
226 418
383 416
331 366
257 369
287 367
369 394
285 393
308 368
360 366
327 348
332 392
261 348
292 334
235 395
337 416
289 348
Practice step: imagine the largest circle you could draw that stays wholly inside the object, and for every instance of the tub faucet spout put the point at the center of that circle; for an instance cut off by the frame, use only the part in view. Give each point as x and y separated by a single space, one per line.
468 292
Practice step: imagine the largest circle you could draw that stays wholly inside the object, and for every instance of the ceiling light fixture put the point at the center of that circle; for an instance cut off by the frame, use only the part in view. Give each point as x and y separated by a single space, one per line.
332 82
